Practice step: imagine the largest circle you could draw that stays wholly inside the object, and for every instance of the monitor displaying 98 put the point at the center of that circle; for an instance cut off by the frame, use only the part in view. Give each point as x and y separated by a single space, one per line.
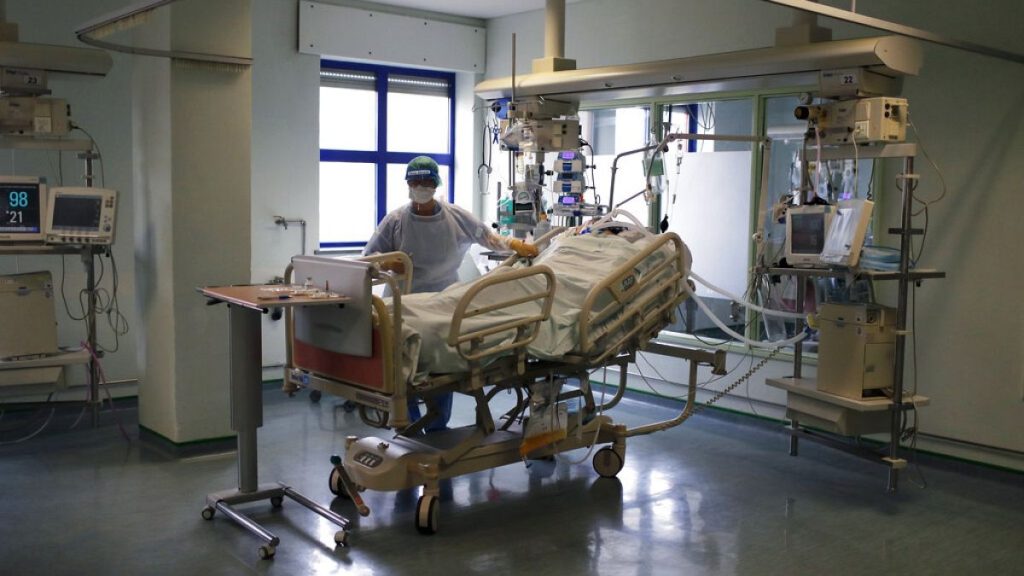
21 211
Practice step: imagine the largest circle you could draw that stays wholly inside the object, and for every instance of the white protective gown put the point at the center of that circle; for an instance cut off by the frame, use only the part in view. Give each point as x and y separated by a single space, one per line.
436 243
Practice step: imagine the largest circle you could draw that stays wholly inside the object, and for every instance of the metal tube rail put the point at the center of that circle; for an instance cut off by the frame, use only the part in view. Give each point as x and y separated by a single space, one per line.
696 358
621 296
906 232
586 315
456 336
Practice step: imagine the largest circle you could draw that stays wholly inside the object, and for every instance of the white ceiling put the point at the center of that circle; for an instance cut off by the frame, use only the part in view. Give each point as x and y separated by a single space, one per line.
472 8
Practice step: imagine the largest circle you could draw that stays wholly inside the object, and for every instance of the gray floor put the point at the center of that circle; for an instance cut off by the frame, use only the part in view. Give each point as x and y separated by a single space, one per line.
718 495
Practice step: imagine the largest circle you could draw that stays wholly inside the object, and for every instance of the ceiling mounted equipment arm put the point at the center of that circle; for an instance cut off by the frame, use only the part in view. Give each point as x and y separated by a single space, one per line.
95 32
885 25
888 55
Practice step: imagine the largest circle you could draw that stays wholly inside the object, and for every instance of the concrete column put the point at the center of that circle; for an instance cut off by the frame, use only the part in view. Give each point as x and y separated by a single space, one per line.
192 173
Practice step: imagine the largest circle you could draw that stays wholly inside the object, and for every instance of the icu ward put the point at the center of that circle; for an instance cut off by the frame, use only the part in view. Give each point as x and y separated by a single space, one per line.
519 287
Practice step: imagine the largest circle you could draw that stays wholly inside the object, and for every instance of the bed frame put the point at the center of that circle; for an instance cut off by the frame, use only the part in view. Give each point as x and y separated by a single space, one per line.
619 317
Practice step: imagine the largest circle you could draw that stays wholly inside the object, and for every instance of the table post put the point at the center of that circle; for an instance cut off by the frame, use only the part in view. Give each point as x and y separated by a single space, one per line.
245 373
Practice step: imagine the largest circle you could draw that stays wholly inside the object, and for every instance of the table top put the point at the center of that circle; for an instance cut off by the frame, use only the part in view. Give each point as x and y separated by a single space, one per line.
264 296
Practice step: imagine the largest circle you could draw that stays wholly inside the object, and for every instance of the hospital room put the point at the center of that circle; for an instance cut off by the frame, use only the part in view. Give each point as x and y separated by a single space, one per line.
415 287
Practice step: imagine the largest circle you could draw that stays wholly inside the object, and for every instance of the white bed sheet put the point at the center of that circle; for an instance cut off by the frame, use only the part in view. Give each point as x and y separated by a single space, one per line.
578 263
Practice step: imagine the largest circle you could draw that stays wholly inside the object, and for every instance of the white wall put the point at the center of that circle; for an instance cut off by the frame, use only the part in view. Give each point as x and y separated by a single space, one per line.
285 151
286 148
970 326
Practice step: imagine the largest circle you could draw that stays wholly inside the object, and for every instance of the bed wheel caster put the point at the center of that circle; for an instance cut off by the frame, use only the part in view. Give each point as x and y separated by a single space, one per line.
208 513
276 501
334 482
426 514
314 396
266 552
607 462
341 538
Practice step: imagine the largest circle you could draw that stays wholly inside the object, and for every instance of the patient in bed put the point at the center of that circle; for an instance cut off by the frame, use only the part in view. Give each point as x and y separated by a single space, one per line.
579 258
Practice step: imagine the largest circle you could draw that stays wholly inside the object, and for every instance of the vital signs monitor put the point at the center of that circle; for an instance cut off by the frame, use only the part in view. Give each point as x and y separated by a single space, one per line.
77 215
22 208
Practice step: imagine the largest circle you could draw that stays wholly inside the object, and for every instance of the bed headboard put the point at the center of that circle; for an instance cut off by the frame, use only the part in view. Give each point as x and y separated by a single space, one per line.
347 329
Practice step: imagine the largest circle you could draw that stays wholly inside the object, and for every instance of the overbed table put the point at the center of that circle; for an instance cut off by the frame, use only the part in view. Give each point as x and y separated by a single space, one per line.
246 304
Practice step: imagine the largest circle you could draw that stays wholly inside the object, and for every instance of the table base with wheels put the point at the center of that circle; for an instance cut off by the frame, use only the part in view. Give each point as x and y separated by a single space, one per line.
246 304
223 502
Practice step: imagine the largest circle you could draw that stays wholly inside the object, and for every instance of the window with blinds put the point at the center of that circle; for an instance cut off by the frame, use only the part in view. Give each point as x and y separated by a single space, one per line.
373 120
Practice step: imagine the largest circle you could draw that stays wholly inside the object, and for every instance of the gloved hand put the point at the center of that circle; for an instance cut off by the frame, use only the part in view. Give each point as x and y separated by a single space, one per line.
396 266
523 249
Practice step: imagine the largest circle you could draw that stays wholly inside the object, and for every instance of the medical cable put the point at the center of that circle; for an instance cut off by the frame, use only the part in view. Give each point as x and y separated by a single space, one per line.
38 430
725 391
64 298
60 166
909 188
117 321
106 302
651 387
746 304
706 116
746 376
718 322
913 449
926 203
917 417
871 184
486 155
817 162
750 402
81 414
747 356
105 387
99 153
674 383
593 173
856 159
597 430
942 178
684 317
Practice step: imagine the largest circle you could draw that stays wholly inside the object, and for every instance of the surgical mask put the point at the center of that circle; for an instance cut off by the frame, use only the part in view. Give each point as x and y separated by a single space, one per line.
421 194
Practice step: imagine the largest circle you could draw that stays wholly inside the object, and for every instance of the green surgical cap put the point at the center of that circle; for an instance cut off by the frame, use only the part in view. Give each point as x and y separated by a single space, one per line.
423 167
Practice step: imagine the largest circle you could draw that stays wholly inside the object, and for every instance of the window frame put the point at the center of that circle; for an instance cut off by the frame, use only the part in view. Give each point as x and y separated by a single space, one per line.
381 156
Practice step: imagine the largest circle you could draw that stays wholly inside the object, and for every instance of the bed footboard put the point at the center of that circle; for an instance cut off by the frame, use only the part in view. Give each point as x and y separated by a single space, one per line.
374 381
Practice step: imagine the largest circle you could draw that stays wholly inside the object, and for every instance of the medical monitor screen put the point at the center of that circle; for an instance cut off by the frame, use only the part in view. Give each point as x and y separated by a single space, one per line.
77 212
807 233
21 210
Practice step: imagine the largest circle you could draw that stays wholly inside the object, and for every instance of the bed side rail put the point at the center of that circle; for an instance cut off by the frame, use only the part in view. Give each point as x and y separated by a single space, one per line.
638 307
393 257
469 342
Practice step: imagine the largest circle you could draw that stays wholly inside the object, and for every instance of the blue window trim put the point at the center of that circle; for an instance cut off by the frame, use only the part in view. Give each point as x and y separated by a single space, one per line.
381 157
694 110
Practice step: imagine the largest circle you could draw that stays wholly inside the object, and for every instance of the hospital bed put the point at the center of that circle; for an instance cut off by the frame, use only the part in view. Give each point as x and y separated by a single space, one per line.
504 332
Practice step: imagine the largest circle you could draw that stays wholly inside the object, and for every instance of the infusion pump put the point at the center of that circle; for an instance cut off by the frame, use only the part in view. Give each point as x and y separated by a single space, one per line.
858 121
78 215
